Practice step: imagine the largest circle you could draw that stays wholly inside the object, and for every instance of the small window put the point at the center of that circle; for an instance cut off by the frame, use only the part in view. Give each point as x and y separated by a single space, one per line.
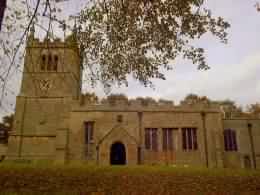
55 65
49 63
43 63
230 140
119 118
189 139
151 139
89 131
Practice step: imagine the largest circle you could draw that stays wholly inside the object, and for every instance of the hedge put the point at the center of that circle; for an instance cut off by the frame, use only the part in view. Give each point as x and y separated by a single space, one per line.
142 180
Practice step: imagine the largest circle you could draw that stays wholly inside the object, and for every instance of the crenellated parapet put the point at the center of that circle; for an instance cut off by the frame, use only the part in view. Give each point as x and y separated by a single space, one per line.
88 98
48 43
121 102
69 42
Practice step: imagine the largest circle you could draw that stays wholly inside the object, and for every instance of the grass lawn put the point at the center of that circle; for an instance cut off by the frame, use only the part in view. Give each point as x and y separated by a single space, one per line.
121 180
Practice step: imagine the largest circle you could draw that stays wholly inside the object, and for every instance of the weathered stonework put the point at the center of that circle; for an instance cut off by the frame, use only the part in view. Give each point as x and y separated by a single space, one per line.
50 121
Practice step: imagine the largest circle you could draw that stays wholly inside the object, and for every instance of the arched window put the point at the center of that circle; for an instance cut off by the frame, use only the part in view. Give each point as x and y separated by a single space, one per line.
230 140
55 65
43 63
49 65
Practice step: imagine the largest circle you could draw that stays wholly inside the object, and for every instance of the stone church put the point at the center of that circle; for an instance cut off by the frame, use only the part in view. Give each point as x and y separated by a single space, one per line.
55 122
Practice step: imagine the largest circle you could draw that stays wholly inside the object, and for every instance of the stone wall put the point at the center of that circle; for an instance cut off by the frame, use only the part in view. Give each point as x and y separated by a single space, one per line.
37 126
135 118
236 159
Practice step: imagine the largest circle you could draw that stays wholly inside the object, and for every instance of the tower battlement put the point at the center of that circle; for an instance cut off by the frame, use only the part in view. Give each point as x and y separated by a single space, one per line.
88 101
69 42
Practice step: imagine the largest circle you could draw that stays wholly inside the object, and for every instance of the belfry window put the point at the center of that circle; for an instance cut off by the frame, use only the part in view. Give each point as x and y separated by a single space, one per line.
43 63
49 65
230 140
55 65
49 62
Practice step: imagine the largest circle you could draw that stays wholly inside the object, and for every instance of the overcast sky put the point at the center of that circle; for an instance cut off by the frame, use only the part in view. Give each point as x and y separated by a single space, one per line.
235 67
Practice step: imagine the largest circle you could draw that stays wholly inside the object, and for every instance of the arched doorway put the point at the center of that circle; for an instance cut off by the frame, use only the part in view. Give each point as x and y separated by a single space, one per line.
117 154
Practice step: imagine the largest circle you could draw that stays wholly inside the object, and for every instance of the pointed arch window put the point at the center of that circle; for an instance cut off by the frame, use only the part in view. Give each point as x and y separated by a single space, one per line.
55 65
43 63
49 63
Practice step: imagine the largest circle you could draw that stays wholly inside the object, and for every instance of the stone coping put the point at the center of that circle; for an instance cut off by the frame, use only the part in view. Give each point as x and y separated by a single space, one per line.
125 108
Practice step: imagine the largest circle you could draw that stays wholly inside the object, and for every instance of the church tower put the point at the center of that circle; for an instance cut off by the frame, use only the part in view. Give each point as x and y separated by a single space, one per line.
52 69
51 82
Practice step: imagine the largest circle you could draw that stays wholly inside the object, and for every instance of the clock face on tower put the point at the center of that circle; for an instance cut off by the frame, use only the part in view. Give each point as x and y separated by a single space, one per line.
45 84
